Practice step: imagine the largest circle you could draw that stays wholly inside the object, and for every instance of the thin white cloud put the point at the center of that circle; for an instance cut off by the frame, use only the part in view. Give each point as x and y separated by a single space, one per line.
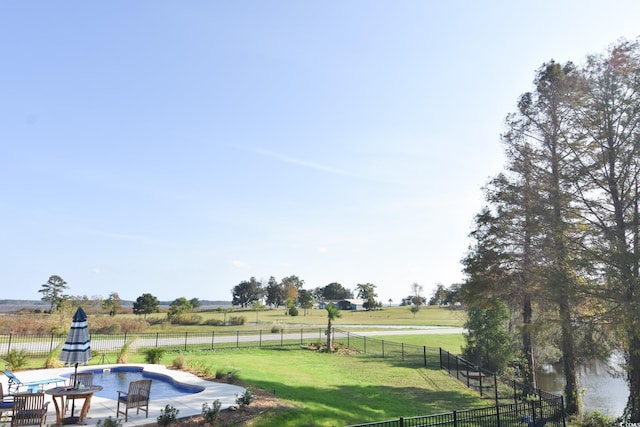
307 164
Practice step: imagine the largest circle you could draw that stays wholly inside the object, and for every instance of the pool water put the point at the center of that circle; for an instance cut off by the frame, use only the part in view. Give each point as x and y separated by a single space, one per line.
118 379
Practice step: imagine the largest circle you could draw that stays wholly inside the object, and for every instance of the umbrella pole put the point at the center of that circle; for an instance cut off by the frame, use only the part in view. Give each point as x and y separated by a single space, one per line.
73 419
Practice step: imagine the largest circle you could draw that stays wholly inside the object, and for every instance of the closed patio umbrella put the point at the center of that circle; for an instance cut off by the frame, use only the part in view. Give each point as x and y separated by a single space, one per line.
76 349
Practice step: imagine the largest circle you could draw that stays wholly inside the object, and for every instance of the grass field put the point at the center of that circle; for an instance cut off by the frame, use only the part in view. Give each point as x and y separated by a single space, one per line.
387 316
333 389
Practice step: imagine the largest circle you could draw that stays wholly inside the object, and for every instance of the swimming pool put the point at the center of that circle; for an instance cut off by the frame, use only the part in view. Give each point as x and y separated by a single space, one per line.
117 379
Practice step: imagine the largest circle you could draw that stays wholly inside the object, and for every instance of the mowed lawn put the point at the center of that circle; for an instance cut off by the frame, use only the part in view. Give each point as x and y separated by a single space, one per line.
340 389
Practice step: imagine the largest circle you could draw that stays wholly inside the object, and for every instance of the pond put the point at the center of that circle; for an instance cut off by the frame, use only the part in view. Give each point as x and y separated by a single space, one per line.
605 389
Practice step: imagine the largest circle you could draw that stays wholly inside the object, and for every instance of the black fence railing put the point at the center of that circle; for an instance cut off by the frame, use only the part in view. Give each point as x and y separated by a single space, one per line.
411 355
38 344
529 414
502 390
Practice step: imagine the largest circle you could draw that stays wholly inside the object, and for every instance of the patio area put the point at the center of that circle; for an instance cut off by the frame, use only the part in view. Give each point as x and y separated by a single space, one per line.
102 408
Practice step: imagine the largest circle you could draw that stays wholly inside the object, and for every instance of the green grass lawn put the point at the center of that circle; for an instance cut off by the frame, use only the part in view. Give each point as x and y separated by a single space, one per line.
336 390
451 342
397 316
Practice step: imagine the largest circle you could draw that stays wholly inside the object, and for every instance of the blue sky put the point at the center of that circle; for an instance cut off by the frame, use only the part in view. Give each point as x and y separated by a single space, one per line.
180 147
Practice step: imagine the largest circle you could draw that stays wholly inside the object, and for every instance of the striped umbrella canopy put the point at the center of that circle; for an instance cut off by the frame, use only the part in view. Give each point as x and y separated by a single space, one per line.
77 347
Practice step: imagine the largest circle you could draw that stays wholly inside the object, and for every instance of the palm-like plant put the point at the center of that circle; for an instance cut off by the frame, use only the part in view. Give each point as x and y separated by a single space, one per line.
332 314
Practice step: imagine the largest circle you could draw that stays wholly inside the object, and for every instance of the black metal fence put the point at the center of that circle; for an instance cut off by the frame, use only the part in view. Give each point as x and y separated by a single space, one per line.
529 414
515 403
408 354
38 345
488 384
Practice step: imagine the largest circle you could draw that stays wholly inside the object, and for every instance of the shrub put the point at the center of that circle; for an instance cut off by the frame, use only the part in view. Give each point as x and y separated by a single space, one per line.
52 360
214 322
210 413
245 398
123 356
109 422
201 367
186 319
180 362
237 320
293 311
168 416
221 373
16 359
594 419
275 329
153 355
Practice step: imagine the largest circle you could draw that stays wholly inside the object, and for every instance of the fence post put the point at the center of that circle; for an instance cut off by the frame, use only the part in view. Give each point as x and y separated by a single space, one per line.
51 343
237 339
281 337
564 415
480 376
401 422
532 409
125 339
458 368
497 413
495 387
402 352
9 345
468 382
213 336
424 354
260 345
383 349
157 335
348 340
186 339
455 419
365 345
301 336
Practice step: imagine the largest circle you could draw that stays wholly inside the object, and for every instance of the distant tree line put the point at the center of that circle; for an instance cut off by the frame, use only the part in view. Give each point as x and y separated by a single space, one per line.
289 292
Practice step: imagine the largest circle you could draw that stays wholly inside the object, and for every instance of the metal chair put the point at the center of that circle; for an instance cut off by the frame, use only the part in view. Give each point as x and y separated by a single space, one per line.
137 397
29 409
33 386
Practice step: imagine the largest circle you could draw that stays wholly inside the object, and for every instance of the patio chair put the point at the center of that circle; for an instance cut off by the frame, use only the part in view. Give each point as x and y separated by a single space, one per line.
137 397
32 386
5 405
84 378
29 409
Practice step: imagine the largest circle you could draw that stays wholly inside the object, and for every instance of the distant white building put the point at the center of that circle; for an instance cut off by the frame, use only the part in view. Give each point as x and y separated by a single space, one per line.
343 304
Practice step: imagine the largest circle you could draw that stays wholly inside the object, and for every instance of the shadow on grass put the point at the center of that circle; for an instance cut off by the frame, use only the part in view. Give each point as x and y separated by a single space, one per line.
355 404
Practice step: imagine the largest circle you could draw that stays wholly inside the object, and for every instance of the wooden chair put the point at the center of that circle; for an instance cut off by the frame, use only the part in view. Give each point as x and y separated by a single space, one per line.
84 378
5 405
29 409
137 397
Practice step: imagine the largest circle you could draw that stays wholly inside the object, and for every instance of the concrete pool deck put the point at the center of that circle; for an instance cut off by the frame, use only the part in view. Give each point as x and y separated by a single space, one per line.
102 408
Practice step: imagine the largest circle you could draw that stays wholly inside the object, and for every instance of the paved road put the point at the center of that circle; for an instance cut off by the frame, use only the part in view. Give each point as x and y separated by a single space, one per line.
104 344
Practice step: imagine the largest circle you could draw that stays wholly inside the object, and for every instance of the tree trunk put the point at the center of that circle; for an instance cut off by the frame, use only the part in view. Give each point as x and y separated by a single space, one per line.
527 344
632 411
329 336
573 401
